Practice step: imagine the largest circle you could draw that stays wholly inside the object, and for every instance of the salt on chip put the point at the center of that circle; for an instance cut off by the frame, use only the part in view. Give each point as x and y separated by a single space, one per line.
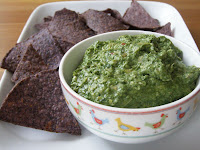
38 102
138 17
30 64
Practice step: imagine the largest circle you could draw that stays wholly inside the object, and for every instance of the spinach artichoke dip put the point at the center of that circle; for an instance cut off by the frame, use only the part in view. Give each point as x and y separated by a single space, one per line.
137 71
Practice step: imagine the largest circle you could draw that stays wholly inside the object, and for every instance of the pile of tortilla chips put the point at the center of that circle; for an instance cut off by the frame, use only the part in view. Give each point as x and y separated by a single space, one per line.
36 100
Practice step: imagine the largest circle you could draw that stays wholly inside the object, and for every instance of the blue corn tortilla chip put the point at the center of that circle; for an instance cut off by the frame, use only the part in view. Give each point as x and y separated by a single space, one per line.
101 22
47 47
166 29
65 45
38 102
43 42
30 64
44 24
138 17
68 26
13 57
114 13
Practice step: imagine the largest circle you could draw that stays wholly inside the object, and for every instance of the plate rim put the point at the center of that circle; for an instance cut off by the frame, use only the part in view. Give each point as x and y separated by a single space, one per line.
25 28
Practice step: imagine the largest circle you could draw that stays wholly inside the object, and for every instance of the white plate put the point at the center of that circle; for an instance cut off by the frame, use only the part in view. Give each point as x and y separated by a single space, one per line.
22 138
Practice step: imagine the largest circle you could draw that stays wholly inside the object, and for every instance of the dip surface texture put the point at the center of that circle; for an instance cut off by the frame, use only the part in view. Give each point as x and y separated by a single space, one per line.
134 72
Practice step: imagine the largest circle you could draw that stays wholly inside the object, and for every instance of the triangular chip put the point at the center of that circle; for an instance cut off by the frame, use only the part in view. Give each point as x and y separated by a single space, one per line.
137 16
60 27
166 29
63 15
30 64
101 22
13 57
43 42
38 102
47 47
68 26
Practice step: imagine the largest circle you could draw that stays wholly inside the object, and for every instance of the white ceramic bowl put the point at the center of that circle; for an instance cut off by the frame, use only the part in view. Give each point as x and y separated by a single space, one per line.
139 125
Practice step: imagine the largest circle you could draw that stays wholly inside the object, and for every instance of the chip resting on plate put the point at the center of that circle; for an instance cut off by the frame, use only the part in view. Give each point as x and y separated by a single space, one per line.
166 29
43 42
68 26
30 64
47 47
13 57
102 22
64 16
138 17
38 102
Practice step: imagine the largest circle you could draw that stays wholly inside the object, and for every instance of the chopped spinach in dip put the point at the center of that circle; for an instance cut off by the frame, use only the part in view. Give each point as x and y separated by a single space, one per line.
137 71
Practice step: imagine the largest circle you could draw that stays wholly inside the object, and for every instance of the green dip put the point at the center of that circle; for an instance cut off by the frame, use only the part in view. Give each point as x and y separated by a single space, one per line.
137 71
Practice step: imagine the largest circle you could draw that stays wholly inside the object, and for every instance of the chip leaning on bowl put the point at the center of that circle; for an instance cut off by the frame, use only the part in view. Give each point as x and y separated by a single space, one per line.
137 71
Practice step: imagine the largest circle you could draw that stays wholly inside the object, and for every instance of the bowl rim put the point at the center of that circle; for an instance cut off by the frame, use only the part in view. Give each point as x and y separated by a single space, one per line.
126 110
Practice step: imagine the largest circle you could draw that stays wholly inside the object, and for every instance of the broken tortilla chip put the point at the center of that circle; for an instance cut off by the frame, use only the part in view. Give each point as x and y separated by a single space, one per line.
138 17
38 102
30 64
